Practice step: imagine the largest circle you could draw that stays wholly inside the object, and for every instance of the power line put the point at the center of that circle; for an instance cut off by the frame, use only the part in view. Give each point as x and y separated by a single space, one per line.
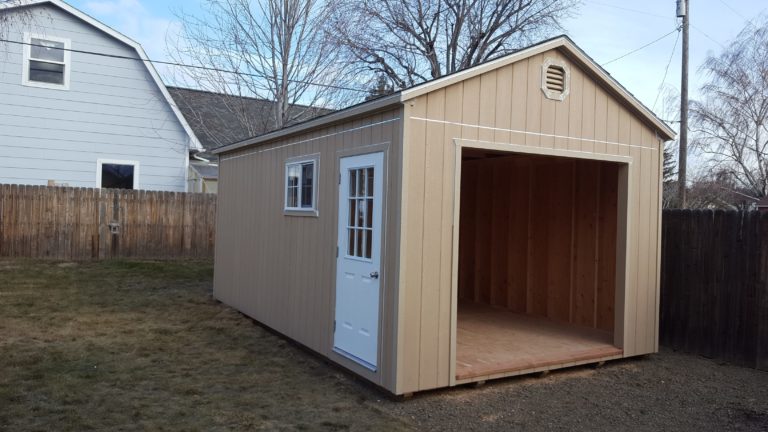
629 10
640 48
162 62
706 35
733 10
666 71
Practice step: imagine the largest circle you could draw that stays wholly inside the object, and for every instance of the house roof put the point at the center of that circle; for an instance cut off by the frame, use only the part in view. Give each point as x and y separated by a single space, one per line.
563 43
220 119
763 203
194 143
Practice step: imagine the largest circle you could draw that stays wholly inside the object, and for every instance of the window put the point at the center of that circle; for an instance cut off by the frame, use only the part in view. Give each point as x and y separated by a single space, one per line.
555 79
300 185
46 62
116 174
360 219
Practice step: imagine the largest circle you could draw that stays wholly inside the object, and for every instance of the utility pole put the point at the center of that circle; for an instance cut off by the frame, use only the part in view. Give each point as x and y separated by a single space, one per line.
683 10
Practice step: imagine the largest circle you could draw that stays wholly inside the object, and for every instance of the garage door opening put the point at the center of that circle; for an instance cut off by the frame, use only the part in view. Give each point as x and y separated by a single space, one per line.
537 263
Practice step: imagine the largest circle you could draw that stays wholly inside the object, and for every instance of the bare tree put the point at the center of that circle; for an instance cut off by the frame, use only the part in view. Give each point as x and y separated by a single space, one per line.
271 49
412 41
11 15
729 122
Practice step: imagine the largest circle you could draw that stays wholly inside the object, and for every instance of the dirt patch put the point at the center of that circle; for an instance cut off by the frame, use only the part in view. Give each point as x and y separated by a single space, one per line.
142 345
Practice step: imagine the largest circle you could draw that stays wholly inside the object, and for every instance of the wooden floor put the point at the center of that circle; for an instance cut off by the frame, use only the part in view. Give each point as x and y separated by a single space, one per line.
492 341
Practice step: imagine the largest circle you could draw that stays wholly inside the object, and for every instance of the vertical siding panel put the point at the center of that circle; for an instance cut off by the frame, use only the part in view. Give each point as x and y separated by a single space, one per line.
643 227
612 127
651 185
624 131
601 115
519 102
487 104
432 232
562 113
412 289
470 113
503 98
453 102
631 300
575 112
588 116
533 106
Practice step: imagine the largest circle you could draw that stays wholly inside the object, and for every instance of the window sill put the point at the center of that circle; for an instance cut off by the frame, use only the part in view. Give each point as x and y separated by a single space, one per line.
48 86
301 213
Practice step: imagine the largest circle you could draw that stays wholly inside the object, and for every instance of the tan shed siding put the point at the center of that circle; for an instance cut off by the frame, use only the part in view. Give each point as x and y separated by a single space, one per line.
509 107
279 269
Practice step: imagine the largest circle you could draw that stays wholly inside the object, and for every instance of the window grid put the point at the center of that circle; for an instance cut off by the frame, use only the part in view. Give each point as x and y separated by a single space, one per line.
360 217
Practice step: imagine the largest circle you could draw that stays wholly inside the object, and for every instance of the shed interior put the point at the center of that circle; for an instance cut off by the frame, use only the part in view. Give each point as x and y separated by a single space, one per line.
537 263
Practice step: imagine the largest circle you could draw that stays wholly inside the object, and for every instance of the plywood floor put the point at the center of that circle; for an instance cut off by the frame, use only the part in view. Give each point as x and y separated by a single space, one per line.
492 341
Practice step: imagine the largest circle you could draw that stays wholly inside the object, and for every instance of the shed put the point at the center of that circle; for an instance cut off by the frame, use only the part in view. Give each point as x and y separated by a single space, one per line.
498 221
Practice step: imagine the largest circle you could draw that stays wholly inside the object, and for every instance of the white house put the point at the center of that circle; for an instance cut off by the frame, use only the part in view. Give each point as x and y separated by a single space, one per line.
80 105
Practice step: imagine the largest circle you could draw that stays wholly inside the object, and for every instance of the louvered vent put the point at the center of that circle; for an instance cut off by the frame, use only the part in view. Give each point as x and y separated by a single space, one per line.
555 79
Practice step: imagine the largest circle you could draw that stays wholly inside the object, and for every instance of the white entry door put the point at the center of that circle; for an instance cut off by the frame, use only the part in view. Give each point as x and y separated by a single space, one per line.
356 331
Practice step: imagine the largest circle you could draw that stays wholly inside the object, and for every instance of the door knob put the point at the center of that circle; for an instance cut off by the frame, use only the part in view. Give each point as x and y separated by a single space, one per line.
374 275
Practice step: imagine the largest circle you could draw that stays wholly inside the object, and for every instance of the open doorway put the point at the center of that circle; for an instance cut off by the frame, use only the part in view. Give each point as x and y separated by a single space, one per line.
537 263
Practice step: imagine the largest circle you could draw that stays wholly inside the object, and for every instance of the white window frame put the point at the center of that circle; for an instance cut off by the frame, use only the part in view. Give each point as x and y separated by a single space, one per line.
135 164
301 160
27 57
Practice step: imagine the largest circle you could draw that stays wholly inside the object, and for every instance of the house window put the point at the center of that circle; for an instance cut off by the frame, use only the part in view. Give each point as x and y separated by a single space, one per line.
301 185
117 174
46 62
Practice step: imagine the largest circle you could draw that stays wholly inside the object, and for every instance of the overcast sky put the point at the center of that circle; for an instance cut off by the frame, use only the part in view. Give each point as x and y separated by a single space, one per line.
605 29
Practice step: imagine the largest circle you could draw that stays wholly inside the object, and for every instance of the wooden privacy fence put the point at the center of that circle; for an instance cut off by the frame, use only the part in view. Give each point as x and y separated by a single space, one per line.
714 285
78 223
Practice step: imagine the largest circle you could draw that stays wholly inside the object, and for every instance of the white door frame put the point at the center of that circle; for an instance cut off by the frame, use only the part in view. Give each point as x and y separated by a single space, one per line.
357 332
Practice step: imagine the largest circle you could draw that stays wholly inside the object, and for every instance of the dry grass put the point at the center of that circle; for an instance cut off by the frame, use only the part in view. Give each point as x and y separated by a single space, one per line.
142 345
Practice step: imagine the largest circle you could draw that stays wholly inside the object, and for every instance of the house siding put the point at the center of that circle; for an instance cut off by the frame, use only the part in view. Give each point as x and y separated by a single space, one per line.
112 110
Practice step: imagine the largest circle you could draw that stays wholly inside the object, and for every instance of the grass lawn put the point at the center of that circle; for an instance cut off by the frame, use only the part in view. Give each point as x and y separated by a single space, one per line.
142 345
126 345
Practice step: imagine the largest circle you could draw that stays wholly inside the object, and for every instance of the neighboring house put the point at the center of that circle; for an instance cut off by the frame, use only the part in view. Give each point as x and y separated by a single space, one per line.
501 220
763 204
219 119
82 106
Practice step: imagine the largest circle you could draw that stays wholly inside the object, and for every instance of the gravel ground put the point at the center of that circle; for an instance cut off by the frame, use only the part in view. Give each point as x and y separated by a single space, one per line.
666 391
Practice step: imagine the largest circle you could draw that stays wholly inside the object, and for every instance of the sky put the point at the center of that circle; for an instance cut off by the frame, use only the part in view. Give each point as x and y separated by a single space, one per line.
605 29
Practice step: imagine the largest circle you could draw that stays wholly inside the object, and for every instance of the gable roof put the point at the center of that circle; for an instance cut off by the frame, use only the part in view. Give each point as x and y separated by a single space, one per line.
763 203
220 119
563 43
194 143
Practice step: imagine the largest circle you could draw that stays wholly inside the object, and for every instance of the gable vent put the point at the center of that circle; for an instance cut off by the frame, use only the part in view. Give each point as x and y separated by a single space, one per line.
555 79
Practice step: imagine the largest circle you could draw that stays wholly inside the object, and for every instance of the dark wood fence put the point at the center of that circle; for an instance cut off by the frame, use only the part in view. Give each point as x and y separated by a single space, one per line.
77 223
714 285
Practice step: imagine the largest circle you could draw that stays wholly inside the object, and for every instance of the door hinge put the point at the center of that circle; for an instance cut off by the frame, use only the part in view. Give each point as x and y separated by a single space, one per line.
337 251
339 178
334 326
